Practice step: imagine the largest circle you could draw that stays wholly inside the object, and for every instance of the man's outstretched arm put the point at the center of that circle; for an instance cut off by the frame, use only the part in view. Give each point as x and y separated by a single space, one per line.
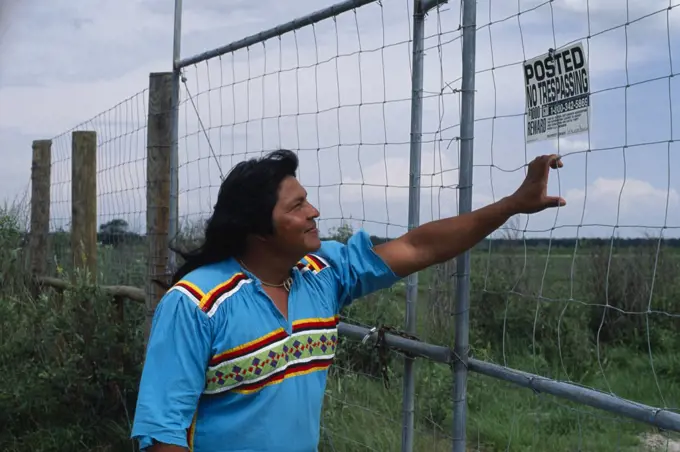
441 240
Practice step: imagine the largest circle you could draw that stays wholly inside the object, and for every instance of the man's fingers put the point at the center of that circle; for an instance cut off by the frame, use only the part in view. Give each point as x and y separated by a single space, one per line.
541 162
555 201
555 161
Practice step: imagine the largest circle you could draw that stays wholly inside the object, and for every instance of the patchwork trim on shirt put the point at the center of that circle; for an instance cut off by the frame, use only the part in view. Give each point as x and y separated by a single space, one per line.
313 263
248 347
213 299
191 291
209 302
191 432
275 357
316 323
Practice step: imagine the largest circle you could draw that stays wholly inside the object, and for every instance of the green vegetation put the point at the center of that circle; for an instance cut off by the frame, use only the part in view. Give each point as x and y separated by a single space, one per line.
70 362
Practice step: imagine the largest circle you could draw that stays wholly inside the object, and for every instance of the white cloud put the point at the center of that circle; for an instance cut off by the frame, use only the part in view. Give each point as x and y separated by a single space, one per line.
569 145
634 196
70 103
88 75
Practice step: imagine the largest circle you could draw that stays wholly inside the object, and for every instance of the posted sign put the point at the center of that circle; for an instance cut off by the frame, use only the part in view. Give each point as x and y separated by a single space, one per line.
557 94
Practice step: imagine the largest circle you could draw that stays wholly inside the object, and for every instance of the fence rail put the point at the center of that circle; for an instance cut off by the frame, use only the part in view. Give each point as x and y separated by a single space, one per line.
370 138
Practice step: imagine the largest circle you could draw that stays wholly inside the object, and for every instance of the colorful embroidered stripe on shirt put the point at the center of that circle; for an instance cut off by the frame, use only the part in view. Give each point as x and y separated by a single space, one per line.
311 324
212 299
189 289
191 432
274 357
312 262
249 347
293 370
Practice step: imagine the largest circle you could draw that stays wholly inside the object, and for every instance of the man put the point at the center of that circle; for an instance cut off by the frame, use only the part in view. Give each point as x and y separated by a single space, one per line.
241 343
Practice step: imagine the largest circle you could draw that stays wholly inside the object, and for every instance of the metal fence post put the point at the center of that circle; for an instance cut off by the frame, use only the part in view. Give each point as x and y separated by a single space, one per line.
467 133
173 227
408 398
420 9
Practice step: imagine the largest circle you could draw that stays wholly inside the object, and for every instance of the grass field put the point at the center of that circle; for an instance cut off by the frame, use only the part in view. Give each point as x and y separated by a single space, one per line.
554 335
70 367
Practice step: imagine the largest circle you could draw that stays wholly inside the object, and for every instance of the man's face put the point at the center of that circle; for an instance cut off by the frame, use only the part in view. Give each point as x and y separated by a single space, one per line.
295 229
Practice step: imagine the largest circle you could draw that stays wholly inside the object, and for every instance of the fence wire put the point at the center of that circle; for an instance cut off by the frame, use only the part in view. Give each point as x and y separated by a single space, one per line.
121 192
338 93
582 293
586 293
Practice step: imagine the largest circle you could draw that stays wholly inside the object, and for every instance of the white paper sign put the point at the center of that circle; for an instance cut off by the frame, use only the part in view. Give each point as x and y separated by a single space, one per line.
557 94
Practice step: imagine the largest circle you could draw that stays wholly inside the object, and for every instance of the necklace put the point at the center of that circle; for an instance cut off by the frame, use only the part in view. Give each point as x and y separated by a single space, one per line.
286 284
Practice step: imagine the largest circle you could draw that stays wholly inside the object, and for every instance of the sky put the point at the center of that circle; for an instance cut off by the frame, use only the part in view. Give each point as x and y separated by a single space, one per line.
339 94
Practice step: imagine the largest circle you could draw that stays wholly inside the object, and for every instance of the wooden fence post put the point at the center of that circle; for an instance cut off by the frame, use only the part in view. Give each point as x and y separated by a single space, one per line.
159 143
84 202
41 171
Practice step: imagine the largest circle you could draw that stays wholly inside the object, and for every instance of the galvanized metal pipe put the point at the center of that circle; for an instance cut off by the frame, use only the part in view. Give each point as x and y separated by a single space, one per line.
173 228
657 417
279 30
409 382
467 133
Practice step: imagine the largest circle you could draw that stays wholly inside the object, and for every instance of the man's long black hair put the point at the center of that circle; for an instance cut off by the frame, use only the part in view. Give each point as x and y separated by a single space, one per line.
244 206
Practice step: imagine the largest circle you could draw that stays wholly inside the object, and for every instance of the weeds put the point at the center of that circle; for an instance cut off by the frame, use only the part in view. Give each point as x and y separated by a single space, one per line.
71 362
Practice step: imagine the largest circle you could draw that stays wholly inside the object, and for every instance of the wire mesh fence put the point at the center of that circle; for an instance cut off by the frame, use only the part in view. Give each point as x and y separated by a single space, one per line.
581 293
121 192
585 294
338 93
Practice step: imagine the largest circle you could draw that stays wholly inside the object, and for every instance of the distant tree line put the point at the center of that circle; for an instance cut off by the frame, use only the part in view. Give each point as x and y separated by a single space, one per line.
563 243
117 232
570 243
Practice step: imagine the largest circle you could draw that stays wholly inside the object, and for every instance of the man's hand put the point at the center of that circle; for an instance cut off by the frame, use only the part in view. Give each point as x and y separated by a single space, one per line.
441 240
532 195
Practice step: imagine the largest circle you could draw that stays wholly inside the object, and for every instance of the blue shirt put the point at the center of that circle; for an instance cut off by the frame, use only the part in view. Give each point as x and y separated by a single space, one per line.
224 369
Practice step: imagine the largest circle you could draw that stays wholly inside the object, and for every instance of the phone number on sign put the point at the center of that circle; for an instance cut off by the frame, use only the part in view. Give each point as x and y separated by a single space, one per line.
566 106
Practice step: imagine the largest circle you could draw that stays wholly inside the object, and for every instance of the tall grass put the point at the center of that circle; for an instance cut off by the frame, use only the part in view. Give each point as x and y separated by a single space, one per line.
69 366
70 362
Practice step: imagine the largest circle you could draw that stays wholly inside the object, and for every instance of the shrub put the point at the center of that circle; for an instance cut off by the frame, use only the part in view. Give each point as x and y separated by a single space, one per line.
70 367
